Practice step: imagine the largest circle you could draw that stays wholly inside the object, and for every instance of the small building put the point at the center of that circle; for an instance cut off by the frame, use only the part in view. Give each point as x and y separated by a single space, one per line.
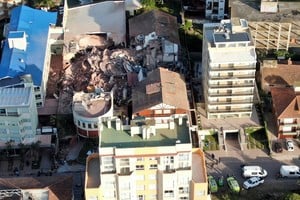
286 107
91 110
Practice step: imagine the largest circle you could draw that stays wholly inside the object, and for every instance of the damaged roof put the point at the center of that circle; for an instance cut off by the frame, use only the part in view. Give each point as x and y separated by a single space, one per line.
59 187
164 24
286 102
160 86
102 17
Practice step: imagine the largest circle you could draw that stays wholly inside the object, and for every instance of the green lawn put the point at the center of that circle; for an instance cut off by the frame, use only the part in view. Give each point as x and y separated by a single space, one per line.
211 142
257 138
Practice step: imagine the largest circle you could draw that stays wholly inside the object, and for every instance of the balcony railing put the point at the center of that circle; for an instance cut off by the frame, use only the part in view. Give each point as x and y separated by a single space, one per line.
223 94
240 85
230 102
226 68
233 110
240 76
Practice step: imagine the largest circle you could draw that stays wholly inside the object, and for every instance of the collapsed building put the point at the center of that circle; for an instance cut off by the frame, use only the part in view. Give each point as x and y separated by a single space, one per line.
99 71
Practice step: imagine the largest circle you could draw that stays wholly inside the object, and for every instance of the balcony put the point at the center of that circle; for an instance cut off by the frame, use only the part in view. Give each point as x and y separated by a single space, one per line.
235 76
232 110
231 85
230 94
233 68
230 102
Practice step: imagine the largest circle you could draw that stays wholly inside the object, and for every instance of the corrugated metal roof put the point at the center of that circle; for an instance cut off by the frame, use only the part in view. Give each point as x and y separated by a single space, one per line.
35 23
14 97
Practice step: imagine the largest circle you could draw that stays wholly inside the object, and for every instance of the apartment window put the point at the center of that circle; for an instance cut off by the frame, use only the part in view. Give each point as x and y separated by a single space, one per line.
168 193
2 112
183 198
152 186
124 162
36 89
95 125
39 104
78 122
183 190
158 111
141 197
169 159
89 125
139 177
153 166
139 167
152 176
38 96
140 187
83 124
167 111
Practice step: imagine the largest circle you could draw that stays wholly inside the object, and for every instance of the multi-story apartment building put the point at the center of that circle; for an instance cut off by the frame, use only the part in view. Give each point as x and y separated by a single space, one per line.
228 69
152 156
18 112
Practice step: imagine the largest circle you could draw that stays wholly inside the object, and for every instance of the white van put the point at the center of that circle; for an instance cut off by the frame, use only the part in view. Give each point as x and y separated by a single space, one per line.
289 171
253 170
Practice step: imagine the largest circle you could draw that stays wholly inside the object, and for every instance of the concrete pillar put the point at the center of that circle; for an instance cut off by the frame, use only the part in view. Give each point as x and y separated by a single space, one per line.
118 124
180 121
109 124
172 124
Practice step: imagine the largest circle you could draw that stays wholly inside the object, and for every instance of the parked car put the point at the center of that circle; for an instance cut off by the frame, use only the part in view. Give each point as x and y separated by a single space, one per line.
233 184
289 171
212 184
253 170
253 182
278 147
289 145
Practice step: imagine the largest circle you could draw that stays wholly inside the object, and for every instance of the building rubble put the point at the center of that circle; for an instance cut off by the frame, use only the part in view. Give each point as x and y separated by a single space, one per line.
111 67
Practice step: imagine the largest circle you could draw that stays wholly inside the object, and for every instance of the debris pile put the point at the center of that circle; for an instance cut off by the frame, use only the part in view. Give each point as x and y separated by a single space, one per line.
101 68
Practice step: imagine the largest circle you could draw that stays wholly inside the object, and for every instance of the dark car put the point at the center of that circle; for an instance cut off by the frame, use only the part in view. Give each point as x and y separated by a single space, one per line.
278 147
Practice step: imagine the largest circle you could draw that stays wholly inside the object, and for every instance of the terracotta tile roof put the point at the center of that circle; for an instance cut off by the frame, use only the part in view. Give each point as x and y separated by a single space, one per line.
160 86
283 75
285 102
164 24
60 187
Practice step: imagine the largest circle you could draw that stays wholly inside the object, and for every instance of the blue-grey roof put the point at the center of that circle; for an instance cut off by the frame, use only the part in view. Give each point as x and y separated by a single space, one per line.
232 37
35 24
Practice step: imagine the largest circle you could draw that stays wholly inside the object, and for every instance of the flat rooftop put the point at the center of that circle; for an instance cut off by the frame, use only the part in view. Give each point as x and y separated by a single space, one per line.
198 168
11 97
91 105
164 137
232 55
232 37
93 173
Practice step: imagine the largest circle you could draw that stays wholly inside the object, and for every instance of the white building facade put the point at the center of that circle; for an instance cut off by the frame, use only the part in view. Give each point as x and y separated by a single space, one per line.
228 65
18 114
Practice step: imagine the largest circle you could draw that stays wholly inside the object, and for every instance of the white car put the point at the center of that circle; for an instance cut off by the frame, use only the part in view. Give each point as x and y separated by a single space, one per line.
253 182
289 145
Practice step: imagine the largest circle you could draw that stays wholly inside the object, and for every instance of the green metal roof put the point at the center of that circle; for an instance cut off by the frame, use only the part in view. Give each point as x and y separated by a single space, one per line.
164 137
